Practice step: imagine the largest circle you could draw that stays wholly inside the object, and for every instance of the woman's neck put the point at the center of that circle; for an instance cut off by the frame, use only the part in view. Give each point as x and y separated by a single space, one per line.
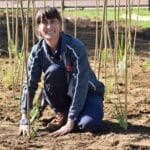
53 44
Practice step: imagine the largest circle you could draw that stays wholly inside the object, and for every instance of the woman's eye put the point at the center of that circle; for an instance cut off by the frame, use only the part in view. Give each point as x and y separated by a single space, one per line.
54 22
51 22
45 22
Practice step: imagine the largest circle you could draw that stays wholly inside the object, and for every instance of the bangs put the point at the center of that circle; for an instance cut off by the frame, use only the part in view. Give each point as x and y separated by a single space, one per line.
47 13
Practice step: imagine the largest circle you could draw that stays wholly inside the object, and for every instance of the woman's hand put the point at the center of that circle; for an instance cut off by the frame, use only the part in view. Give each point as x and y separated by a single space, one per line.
67 128
24 130
24 127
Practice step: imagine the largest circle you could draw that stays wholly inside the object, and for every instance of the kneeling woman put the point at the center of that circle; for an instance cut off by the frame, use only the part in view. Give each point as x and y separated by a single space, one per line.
70 86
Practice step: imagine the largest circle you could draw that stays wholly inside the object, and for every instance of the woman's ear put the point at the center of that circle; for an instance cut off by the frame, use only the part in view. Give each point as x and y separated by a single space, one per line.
37 32
38 28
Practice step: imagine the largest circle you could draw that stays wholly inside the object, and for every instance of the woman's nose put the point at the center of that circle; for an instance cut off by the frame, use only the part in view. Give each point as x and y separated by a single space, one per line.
49 25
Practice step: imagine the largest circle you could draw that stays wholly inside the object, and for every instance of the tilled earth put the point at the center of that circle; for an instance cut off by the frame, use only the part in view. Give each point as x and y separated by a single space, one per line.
136 137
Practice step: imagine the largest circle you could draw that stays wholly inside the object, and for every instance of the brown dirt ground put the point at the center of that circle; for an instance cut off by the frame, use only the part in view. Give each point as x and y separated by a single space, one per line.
136 137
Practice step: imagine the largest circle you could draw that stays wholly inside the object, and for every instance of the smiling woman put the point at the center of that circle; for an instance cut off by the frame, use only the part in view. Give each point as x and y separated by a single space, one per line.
74 93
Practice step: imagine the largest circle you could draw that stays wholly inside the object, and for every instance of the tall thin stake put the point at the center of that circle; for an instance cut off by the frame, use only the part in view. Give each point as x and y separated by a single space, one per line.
13 27
25 56
62 14
44 2
22 24
96 36
101 43
33 22
16 34
53 3
8 32
75 21
126 69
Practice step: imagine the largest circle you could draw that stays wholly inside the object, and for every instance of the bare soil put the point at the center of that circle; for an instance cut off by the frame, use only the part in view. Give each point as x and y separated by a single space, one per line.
136 137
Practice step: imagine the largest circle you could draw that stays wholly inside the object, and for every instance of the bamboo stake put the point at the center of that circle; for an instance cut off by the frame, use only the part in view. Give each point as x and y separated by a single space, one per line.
25 57
53 3
16 33
75 21
96 36
101 43
105 44
25 54
27 26
129 36
33 22
22 48
62 14
117 32
44 2
8 32
115 50
126 69
115 43
23 24
134 39
13 27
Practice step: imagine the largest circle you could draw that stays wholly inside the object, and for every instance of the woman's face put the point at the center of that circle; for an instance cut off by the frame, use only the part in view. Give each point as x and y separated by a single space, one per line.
50 29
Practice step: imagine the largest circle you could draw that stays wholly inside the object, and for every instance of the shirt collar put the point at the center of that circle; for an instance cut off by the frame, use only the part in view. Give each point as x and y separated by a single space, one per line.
48 51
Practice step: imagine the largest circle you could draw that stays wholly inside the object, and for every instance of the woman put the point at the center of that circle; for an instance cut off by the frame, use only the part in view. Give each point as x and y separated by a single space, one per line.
70 86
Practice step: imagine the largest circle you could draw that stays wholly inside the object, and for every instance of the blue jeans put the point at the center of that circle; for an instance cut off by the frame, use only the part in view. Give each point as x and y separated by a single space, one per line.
90 118
55 88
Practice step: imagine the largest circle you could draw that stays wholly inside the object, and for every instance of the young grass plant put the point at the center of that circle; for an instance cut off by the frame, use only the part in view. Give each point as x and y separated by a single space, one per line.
37 104
11 72
120 115
8 76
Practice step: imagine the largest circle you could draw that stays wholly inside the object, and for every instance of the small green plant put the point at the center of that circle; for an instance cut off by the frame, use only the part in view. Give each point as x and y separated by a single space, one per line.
12 48
109 89
121 45
35 114
36 111
8 76
33 132
106 55
120 67
11 75
120 115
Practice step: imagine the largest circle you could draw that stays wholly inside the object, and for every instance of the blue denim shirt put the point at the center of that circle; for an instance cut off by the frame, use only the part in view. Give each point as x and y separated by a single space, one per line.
81 78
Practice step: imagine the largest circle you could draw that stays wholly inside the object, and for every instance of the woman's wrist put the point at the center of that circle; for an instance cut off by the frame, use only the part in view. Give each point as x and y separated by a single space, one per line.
70 121
24 121
24 116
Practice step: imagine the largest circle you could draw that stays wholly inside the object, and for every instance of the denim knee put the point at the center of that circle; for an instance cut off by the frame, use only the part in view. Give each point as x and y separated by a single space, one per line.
88 123
55 75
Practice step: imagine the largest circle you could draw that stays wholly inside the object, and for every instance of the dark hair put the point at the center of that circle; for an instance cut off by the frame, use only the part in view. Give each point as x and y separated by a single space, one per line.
47 13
